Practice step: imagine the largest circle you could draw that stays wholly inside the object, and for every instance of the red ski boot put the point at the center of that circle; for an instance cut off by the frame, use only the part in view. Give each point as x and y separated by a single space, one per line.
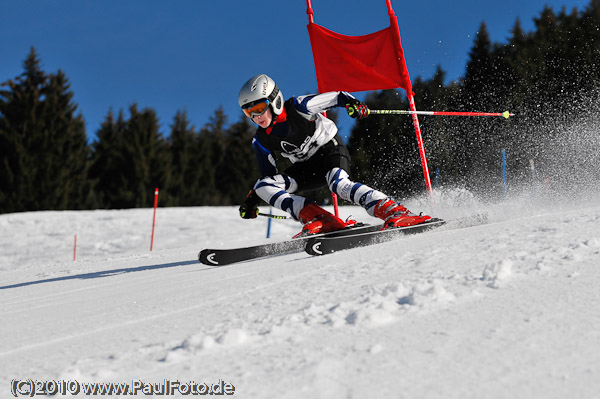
317 220
395 215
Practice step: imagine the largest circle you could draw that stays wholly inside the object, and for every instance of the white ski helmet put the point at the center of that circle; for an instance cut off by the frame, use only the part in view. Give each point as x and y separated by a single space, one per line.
259 88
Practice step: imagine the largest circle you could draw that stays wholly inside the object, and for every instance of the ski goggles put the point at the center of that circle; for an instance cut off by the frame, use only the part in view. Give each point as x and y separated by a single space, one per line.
256 108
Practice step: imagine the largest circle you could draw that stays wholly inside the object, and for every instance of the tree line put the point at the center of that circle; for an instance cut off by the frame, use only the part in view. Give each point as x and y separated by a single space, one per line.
549 77
47 163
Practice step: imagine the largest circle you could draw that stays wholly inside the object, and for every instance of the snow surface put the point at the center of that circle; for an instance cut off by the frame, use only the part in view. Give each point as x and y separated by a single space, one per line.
502 302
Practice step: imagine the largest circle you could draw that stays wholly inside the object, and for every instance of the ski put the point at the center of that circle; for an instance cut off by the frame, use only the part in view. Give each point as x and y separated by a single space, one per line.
222 257
327 245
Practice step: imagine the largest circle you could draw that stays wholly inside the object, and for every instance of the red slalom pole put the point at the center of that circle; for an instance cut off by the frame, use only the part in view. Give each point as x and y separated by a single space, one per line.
75 248
336 209
309 11
417 125
154 218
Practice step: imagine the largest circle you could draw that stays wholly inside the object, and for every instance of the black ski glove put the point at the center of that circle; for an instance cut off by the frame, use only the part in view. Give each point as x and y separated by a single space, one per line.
249 208
357 109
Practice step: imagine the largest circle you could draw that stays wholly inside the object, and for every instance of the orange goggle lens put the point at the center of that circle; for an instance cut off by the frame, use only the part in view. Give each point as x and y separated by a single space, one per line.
256 109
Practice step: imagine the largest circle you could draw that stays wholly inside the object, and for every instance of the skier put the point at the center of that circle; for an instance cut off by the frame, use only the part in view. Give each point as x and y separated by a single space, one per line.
298 130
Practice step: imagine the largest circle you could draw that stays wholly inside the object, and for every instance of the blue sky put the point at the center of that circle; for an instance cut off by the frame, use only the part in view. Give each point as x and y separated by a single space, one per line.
195 54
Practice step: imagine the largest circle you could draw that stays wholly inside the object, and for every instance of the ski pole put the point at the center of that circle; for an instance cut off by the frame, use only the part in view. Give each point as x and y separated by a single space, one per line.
505 114
268 215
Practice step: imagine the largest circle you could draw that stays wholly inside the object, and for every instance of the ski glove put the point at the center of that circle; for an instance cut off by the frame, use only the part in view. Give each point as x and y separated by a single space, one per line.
357 109
249 208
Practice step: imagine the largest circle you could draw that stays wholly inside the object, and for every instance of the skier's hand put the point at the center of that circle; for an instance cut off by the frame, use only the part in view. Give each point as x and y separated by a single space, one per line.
249 208
357 109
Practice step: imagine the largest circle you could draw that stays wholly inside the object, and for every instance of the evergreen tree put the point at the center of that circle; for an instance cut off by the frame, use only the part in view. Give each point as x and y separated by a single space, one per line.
515 59
588 40
131 159
185 182
478 91
238 169
43 144
543 82
211 148
108 160
148 158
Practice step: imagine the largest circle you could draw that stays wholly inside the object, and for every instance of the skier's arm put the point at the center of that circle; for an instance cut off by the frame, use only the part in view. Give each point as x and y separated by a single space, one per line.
265 159
266 164
313 104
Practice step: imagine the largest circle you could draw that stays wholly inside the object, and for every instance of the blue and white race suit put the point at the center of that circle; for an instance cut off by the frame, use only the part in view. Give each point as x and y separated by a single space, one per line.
302 134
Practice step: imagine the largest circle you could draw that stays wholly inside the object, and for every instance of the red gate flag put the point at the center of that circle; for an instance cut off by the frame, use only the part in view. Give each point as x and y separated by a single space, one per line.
363 63
359 63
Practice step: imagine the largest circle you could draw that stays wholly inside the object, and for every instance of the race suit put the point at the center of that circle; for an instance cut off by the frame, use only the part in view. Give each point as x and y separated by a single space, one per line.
302 134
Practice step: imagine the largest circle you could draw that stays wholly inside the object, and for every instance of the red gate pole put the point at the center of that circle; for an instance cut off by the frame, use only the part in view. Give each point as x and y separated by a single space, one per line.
311 19
415 118
154 218
411 99
310 12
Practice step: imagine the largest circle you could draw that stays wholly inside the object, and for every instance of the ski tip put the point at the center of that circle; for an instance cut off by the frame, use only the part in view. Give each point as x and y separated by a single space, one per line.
207 257
313 247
